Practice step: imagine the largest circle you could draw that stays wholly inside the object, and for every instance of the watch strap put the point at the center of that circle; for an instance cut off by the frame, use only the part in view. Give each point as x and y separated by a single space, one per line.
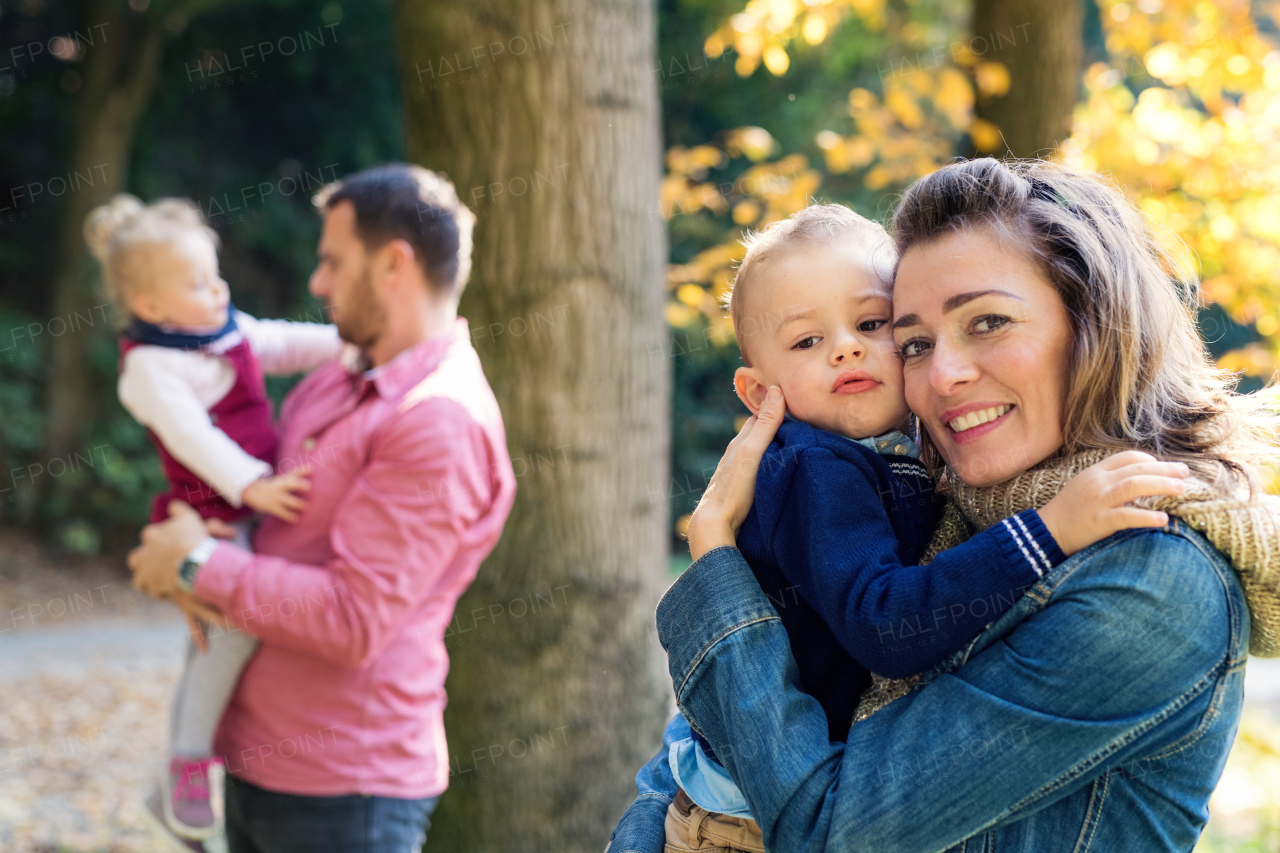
195 558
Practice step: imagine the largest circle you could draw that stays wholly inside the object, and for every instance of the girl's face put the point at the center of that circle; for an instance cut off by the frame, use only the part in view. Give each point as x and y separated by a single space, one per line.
183 286
984 337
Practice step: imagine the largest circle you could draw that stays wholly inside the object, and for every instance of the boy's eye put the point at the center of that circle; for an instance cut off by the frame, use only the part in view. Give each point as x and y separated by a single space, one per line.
807 343
870 325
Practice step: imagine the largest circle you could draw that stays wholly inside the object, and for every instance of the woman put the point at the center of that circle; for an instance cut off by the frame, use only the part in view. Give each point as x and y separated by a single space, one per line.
1098 712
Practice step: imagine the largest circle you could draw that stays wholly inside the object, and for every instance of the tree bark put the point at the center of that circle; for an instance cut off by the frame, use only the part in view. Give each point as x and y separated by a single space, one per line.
545 115
1041 43
119 77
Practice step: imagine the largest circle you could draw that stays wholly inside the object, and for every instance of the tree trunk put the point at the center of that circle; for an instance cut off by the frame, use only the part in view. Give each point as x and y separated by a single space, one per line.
1041 43
119 77
545 115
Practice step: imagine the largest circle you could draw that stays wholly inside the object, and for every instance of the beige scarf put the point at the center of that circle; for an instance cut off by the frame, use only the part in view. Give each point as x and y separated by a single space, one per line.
1247 534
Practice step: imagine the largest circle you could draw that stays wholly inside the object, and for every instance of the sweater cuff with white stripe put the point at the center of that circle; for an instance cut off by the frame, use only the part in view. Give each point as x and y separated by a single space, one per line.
1024 537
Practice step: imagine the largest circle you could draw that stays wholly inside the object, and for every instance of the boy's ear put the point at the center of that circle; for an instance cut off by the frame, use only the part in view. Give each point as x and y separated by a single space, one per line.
751 388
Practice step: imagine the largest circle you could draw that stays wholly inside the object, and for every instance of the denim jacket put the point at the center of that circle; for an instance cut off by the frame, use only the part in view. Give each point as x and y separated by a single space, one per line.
1095 715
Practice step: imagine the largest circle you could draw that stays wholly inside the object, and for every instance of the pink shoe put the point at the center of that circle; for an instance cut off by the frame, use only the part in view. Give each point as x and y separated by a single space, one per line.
193 797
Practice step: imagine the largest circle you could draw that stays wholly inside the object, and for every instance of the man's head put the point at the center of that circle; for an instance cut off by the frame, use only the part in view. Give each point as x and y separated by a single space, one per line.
811 308
395 239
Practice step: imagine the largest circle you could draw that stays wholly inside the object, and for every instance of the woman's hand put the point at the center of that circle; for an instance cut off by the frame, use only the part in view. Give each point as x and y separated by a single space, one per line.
1095 503
729 495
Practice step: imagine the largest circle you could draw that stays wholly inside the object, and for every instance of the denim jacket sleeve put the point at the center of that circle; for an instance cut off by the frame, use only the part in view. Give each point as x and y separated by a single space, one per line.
642 828
1071 682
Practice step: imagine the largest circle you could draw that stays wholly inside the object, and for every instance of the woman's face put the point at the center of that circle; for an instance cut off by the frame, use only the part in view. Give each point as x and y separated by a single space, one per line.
984 337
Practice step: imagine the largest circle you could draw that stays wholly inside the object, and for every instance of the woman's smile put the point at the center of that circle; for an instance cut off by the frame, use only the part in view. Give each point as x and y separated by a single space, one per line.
969 423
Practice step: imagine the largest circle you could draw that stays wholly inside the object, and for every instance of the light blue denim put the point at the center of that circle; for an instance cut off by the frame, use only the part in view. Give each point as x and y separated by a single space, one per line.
1095 715
706 782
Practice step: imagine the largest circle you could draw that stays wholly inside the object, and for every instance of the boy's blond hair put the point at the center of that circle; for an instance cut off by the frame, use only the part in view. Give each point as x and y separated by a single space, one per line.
818 223
114 230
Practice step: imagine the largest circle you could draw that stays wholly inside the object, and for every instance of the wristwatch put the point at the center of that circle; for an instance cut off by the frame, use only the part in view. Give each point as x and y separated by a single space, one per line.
193 561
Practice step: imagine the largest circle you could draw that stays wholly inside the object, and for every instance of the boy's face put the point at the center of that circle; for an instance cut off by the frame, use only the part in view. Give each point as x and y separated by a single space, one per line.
816 323
184 287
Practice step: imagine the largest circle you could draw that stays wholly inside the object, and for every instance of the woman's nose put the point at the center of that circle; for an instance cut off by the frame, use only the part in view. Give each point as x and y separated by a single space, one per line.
950 366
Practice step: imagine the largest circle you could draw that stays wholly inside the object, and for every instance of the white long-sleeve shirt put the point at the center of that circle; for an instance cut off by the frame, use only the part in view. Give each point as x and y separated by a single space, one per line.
171 390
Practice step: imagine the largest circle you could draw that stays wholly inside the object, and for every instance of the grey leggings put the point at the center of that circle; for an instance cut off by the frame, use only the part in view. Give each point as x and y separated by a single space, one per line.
208 681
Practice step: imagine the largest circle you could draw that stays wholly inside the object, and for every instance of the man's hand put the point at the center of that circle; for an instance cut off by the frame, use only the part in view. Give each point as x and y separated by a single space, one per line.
155 562
196 612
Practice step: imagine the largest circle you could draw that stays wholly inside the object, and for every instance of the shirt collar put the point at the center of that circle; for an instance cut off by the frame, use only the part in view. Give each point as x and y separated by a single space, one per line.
891 443
177 337
393 378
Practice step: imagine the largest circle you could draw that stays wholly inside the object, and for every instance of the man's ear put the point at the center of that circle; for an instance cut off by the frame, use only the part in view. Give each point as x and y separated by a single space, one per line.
400 263
751 387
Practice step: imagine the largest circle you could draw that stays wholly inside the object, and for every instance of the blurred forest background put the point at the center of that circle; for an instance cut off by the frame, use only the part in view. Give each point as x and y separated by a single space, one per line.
248 108
764 105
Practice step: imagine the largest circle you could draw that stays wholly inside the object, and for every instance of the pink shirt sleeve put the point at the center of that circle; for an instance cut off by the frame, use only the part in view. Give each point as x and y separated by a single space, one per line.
395 533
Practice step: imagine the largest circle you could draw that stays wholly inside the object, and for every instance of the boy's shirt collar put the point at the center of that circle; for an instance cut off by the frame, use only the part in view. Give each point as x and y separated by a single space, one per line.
170 336
892 443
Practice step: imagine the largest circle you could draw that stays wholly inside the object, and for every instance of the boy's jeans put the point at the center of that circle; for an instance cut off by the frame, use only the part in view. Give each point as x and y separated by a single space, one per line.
261 821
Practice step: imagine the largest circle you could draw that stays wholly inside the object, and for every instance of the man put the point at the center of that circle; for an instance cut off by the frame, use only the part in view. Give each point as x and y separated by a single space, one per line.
334 740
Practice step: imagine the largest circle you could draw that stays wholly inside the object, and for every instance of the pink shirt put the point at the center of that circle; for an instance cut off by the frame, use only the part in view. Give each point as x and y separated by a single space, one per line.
410 488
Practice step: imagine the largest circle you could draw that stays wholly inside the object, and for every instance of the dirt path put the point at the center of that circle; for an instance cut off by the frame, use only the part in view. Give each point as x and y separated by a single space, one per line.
86 669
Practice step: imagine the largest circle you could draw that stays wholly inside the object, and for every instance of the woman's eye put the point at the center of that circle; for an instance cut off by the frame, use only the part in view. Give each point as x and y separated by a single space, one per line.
913 348
989 323
807 343
870 325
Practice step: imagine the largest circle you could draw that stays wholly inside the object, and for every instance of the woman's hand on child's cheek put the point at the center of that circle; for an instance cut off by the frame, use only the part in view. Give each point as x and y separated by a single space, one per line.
732 490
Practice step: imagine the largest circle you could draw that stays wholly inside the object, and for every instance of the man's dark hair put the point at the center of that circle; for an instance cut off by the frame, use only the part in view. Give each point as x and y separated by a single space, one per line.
398 201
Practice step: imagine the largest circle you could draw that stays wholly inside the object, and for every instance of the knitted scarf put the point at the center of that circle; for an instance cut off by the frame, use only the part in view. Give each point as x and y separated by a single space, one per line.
1247 533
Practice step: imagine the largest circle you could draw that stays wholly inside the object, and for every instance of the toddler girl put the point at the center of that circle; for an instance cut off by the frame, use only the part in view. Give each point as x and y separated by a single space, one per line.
191 372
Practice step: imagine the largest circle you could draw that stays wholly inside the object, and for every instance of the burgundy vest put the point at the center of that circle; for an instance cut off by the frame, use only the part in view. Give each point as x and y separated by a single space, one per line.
244 414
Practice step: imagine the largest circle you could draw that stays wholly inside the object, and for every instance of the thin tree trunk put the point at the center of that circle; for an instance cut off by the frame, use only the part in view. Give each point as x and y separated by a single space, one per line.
1041 43
545 115
119 77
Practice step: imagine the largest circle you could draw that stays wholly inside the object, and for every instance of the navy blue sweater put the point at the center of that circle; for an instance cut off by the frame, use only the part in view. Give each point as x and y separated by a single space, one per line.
835 537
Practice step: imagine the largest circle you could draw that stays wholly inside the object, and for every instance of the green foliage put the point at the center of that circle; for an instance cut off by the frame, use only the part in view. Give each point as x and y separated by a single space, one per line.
260 139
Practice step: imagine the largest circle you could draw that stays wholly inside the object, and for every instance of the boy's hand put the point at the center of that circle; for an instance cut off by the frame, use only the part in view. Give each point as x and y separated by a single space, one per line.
1095 503
277 495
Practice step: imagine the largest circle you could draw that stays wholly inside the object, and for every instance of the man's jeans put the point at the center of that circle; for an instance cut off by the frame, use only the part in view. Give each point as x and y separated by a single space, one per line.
261 821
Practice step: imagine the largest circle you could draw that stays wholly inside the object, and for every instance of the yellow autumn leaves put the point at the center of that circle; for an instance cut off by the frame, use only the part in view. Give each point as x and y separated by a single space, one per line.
763 30
1197 146
764 192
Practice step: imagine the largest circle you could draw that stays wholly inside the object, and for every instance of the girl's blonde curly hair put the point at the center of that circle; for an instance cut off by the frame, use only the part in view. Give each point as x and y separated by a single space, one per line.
115 230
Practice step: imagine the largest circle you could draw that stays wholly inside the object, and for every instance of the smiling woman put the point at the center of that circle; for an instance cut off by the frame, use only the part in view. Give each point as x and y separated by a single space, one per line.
984 340
1047 338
